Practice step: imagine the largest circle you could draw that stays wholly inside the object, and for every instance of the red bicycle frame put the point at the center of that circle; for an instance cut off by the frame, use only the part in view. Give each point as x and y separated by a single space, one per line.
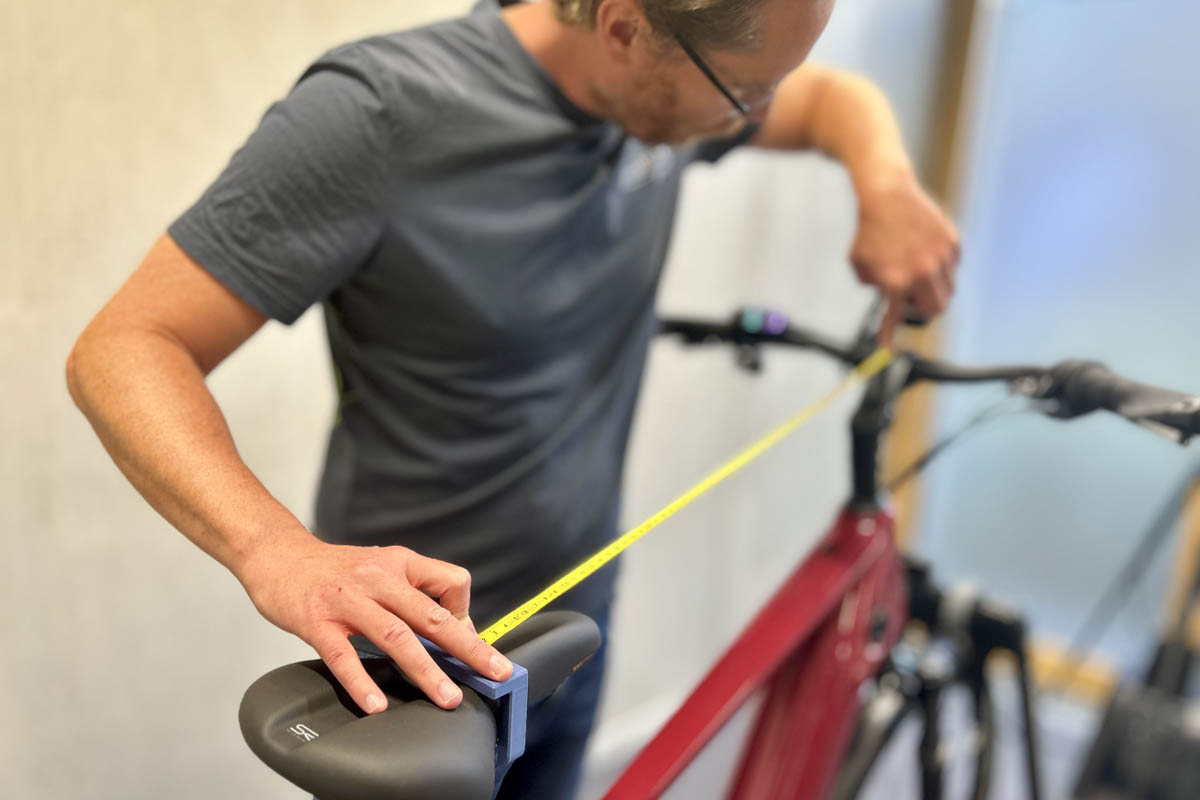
823 633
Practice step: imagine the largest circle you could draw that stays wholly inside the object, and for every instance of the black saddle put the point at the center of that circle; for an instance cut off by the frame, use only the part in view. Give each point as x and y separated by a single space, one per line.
300 721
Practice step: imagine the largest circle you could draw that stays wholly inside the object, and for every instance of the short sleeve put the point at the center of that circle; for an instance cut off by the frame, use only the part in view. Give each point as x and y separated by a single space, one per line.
302 204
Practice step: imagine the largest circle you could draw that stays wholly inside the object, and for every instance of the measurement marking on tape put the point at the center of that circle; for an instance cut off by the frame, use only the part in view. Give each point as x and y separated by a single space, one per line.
867 368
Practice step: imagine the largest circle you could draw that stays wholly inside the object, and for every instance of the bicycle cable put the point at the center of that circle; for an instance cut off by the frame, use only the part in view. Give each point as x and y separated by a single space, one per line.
1120 589
998 410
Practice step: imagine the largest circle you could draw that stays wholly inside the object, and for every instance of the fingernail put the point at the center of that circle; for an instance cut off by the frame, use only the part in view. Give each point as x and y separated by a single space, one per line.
448 691
375 703
500 665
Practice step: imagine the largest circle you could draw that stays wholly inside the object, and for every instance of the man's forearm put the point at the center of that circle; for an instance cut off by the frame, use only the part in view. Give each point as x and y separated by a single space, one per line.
138 372
147 401
840 114
904 245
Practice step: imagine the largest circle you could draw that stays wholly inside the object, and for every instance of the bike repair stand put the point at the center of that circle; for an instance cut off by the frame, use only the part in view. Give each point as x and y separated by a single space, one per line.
509 700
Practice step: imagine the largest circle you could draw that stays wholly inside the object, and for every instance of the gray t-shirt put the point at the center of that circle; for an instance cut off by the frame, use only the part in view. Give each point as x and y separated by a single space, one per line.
488 256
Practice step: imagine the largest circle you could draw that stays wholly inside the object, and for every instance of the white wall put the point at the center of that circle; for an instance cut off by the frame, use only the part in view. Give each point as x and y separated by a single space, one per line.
127 650
1080 222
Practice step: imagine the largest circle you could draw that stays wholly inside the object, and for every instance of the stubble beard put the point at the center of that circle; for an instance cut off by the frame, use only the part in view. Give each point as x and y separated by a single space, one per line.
654 118
650 111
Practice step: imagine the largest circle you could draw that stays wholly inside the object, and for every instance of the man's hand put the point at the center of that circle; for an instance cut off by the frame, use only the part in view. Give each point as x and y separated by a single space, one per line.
137 372
905 245
324 593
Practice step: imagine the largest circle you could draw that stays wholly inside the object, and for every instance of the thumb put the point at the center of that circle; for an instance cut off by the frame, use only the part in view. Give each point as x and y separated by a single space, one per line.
891 318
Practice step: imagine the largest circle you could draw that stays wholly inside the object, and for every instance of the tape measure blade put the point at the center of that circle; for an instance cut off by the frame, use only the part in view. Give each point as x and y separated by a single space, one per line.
869 367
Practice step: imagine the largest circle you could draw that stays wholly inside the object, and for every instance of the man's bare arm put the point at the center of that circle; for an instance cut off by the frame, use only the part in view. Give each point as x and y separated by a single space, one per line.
838 113
137 372
905 244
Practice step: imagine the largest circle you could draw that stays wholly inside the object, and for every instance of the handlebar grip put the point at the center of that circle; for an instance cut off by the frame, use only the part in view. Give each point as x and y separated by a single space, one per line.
1085 386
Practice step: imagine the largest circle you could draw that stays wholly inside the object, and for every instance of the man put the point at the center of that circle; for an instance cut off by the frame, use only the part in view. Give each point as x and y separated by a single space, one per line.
483 206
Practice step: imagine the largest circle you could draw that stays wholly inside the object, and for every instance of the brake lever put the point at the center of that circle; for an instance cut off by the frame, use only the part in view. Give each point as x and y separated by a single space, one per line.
1037 388
1165 431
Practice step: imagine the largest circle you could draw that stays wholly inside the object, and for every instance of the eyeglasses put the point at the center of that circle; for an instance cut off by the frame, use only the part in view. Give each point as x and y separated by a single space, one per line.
742 109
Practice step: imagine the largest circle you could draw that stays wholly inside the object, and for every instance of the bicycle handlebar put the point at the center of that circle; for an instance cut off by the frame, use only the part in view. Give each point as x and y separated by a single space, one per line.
1075 387
1081 387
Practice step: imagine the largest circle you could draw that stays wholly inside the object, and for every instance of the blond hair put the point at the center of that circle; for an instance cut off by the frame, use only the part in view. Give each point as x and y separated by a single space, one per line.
708 24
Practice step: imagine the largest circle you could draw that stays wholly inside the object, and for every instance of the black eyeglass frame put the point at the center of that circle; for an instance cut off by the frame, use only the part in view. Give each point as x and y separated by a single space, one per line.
741 107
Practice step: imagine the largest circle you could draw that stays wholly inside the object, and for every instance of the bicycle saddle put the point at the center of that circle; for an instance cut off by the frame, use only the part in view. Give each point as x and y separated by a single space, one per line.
303 725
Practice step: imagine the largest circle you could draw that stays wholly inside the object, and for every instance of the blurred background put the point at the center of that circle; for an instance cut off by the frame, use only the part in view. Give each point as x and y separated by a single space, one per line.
1062 134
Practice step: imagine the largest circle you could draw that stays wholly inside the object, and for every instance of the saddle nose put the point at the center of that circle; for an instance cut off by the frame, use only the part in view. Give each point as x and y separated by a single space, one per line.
551 645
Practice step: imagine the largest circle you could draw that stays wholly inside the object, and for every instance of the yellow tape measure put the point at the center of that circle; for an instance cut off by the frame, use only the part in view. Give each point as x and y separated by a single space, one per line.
870 366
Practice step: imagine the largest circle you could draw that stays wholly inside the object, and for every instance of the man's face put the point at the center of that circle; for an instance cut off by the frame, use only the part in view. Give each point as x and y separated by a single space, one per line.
667 99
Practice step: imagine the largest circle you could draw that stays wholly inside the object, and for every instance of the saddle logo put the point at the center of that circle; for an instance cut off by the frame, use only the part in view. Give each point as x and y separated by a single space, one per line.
303 732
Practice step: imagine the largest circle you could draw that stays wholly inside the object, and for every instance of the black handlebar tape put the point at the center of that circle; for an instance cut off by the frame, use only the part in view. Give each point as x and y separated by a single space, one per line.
1085 386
